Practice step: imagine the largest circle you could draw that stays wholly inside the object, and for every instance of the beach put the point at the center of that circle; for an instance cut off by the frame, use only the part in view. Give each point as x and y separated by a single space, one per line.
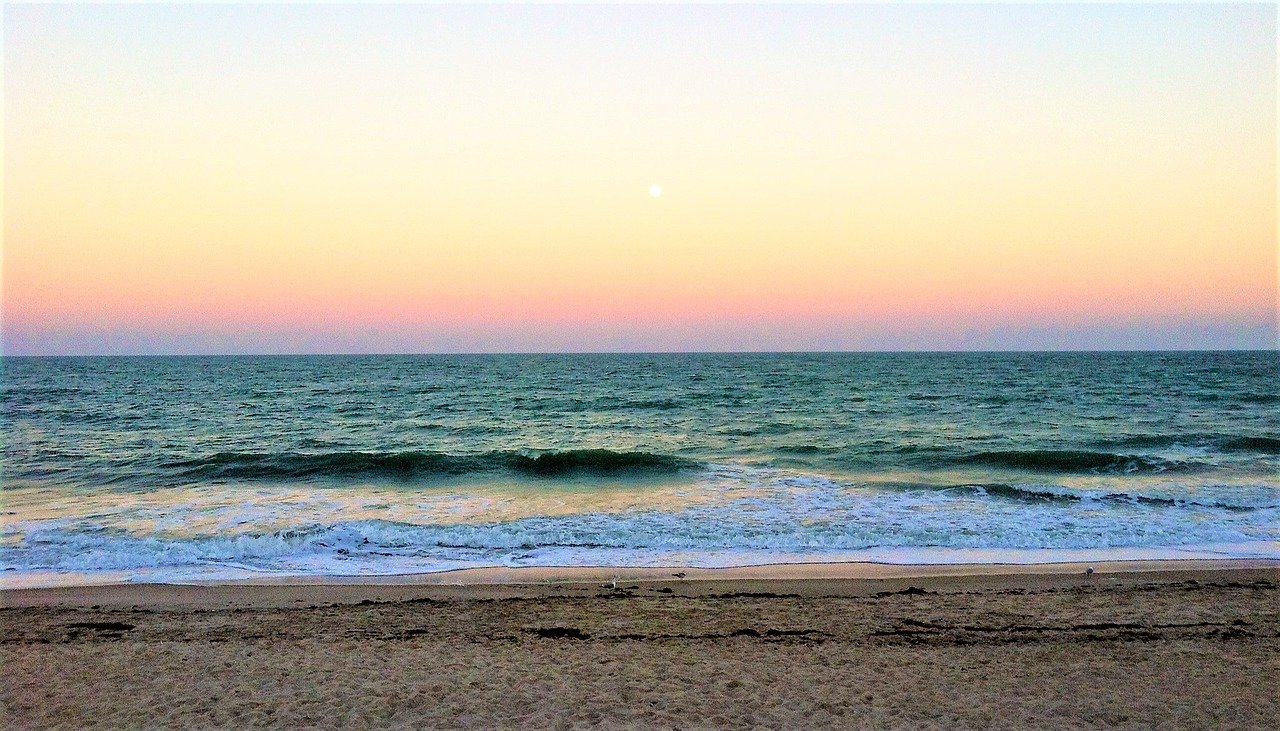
1187 644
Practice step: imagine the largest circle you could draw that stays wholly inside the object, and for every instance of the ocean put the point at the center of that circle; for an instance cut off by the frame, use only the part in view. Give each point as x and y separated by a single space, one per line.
214 468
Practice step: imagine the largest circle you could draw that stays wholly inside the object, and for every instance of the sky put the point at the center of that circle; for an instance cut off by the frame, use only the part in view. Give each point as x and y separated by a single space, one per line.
285 179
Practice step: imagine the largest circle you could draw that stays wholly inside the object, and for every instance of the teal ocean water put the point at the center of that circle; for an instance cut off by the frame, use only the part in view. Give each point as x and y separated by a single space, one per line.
180 468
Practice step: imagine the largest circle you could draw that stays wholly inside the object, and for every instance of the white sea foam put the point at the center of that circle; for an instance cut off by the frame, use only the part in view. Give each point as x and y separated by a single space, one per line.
733 515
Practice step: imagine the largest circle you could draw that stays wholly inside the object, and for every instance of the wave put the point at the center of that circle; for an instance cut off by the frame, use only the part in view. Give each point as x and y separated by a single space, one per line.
1058 460
1233 498
1259 398
595 461
1223 443
638 404
417 465
807 449
1053 493
1266 445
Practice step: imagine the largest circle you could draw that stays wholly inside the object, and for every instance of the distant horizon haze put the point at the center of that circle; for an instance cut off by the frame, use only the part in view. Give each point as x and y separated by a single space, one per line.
1133 339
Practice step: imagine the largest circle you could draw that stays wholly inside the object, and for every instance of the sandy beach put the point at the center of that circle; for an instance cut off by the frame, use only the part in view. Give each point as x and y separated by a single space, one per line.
1133 645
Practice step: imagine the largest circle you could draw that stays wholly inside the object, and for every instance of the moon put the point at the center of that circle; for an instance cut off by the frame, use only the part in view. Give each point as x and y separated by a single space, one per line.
655 190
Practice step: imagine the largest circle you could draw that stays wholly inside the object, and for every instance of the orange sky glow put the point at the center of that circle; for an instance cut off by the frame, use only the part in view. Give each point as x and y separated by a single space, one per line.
283 179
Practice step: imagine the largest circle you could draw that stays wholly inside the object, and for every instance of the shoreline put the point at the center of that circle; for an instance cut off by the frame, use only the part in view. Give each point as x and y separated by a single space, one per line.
756 564
825 579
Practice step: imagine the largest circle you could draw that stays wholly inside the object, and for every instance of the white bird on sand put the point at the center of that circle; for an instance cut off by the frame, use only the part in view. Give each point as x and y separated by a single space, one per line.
1088 570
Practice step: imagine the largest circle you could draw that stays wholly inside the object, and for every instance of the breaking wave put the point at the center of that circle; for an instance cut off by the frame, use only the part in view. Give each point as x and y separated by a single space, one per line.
1053 460
1055 493
425 465
1254 443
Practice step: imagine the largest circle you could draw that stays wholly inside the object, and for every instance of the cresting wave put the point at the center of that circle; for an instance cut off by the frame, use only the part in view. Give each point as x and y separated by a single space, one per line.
1260 444
1053 460
1053 493
419 465
426 465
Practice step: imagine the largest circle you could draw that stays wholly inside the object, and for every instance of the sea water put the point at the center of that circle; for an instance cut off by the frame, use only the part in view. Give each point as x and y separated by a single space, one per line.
185 468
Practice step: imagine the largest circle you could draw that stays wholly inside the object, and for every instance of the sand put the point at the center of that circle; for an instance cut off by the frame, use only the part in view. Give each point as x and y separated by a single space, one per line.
1134 645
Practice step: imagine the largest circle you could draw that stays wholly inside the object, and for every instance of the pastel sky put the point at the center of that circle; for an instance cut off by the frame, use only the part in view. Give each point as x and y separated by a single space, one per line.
234 179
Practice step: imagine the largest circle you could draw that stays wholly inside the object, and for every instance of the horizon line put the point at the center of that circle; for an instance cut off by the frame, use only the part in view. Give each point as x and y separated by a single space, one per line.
1027 351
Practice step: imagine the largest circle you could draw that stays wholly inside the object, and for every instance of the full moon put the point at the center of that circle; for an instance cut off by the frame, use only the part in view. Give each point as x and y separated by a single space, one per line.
655 190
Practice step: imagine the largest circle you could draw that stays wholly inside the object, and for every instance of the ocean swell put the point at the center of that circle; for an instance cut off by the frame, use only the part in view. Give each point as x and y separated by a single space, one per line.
1053 460
421 465
1054 493
1258 444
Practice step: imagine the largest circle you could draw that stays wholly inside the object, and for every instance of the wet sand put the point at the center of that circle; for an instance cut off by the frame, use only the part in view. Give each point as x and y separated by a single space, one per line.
1133 645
